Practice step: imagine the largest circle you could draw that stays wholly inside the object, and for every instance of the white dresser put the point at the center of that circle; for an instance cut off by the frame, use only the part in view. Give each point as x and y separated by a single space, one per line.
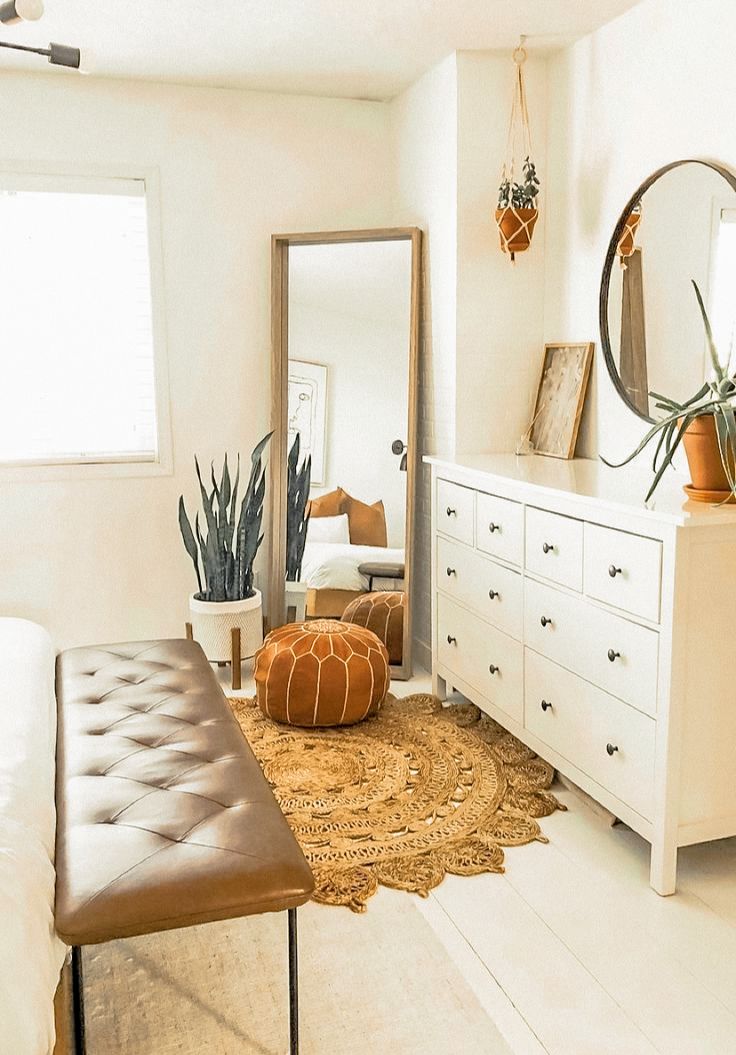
600 632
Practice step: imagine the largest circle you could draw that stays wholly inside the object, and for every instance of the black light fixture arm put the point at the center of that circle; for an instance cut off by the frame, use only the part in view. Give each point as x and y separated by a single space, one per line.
57 54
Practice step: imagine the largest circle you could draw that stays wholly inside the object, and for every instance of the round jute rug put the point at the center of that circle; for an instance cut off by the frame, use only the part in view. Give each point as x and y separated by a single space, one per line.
405 797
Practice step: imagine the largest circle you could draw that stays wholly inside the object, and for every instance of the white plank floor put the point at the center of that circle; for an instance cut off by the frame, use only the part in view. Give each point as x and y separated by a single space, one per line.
572 953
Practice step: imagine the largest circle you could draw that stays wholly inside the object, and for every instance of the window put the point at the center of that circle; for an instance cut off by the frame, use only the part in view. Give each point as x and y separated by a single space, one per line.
724 284
78 369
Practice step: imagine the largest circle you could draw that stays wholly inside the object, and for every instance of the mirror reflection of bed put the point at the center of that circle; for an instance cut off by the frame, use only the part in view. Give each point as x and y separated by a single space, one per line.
349 389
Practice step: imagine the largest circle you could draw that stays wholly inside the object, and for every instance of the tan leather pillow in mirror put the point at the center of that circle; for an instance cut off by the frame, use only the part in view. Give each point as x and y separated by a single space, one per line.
331 504
367 523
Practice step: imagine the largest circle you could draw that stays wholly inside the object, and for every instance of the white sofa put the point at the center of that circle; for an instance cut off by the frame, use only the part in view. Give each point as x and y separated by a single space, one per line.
31 955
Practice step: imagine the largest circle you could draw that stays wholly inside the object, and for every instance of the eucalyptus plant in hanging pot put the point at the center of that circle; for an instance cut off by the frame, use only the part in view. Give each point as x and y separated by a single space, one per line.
227 544
706 426
627 241
517 211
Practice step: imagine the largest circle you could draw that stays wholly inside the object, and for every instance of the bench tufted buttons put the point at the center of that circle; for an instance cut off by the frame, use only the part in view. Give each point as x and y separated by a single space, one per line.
149 723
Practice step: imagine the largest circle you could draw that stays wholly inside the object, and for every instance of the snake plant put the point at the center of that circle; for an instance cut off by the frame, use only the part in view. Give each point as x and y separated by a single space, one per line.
716 397
297 496
229 547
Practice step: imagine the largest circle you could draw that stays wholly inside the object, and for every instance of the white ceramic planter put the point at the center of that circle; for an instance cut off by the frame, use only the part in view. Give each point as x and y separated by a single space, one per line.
213 621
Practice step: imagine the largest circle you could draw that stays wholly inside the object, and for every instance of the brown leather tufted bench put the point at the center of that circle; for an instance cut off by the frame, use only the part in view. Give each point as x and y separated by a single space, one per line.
164 818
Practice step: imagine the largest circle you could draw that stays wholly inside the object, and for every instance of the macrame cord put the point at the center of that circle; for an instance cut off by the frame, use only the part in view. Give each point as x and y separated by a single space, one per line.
519 129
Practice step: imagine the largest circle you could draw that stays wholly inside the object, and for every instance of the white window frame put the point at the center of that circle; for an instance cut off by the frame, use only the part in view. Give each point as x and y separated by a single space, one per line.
113 465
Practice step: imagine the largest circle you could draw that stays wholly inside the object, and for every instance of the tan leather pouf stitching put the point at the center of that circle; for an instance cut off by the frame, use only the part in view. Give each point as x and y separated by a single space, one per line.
321 673
383 613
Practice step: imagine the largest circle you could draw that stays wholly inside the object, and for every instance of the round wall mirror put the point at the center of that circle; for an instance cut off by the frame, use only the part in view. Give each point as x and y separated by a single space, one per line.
679 225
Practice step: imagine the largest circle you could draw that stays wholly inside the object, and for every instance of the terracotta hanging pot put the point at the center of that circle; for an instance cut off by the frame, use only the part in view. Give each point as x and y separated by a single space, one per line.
626 246
709 481
516 227
519 180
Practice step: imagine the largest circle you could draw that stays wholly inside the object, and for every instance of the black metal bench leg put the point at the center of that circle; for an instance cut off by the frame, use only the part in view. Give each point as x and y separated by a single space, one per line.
293 986
80 1042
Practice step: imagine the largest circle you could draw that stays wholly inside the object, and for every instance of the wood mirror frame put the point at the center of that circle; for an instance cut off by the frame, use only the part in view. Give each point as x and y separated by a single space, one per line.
611 258
280 244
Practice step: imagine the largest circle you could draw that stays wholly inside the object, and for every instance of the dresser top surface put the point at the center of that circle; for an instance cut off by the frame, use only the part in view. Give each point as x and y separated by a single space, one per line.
586 479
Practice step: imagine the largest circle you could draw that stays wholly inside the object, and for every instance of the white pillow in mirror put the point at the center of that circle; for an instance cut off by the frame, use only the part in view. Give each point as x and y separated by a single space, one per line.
328 529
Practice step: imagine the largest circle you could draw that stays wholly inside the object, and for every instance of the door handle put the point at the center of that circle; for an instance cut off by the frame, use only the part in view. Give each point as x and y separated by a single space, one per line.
399 447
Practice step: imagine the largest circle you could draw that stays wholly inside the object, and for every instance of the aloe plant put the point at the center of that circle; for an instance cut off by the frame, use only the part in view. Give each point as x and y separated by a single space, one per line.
229 547
297 496
716 397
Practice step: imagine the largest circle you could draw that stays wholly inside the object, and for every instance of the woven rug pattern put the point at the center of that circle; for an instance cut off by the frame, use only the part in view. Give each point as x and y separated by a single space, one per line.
404 798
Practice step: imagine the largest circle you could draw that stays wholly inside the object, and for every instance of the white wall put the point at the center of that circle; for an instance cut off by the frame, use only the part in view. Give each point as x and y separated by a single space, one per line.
483 318
500 304
102 560
653 86
423 122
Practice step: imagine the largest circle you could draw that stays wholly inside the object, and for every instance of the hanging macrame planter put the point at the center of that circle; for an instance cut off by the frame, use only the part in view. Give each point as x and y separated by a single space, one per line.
626 243
517 210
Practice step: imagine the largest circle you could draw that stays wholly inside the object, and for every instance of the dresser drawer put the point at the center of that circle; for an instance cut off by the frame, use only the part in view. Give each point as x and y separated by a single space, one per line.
455 511
499 527
554 547
491 590
623 570
605 738
606 649
484 657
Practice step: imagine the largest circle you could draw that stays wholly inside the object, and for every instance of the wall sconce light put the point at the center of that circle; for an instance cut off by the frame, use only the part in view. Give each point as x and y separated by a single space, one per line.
57 54
20 11
12 11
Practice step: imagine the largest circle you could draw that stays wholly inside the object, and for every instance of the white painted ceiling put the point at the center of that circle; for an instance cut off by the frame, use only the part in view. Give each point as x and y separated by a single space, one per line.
367 49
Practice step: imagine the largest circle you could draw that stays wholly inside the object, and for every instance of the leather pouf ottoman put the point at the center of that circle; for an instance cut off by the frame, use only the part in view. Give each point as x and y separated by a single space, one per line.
383 613
323 672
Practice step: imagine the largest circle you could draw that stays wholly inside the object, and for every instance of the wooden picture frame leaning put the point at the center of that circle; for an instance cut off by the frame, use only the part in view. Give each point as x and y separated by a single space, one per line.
560 398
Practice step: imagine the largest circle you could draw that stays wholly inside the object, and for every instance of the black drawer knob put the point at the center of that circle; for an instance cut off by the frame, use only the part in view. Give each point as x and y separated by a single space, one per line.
494 527
451 512
451 571
545 621
493 594
493 669
451 640
613 571
611 749
546 705
548 547
613 655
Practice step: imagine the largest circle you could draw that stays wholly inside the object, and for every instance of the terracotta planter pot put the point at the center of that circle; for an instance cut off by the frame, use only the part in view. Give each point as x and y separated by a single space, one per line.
626 241
516 227
704 460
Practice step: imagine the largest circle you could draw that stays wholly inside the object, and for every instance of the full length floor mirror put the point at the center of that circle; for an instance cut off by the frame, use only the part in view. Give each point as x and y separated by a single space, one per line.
345 328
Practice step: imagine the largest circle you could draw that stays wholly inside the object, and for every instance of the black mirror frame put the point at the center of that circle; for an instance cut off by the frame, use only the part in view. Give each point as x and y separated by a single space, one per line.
618 230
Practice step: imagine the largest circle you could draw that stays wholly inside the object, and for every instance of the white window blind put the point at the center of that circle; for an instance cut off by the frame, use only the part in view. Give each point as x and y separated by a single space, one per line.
77 368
